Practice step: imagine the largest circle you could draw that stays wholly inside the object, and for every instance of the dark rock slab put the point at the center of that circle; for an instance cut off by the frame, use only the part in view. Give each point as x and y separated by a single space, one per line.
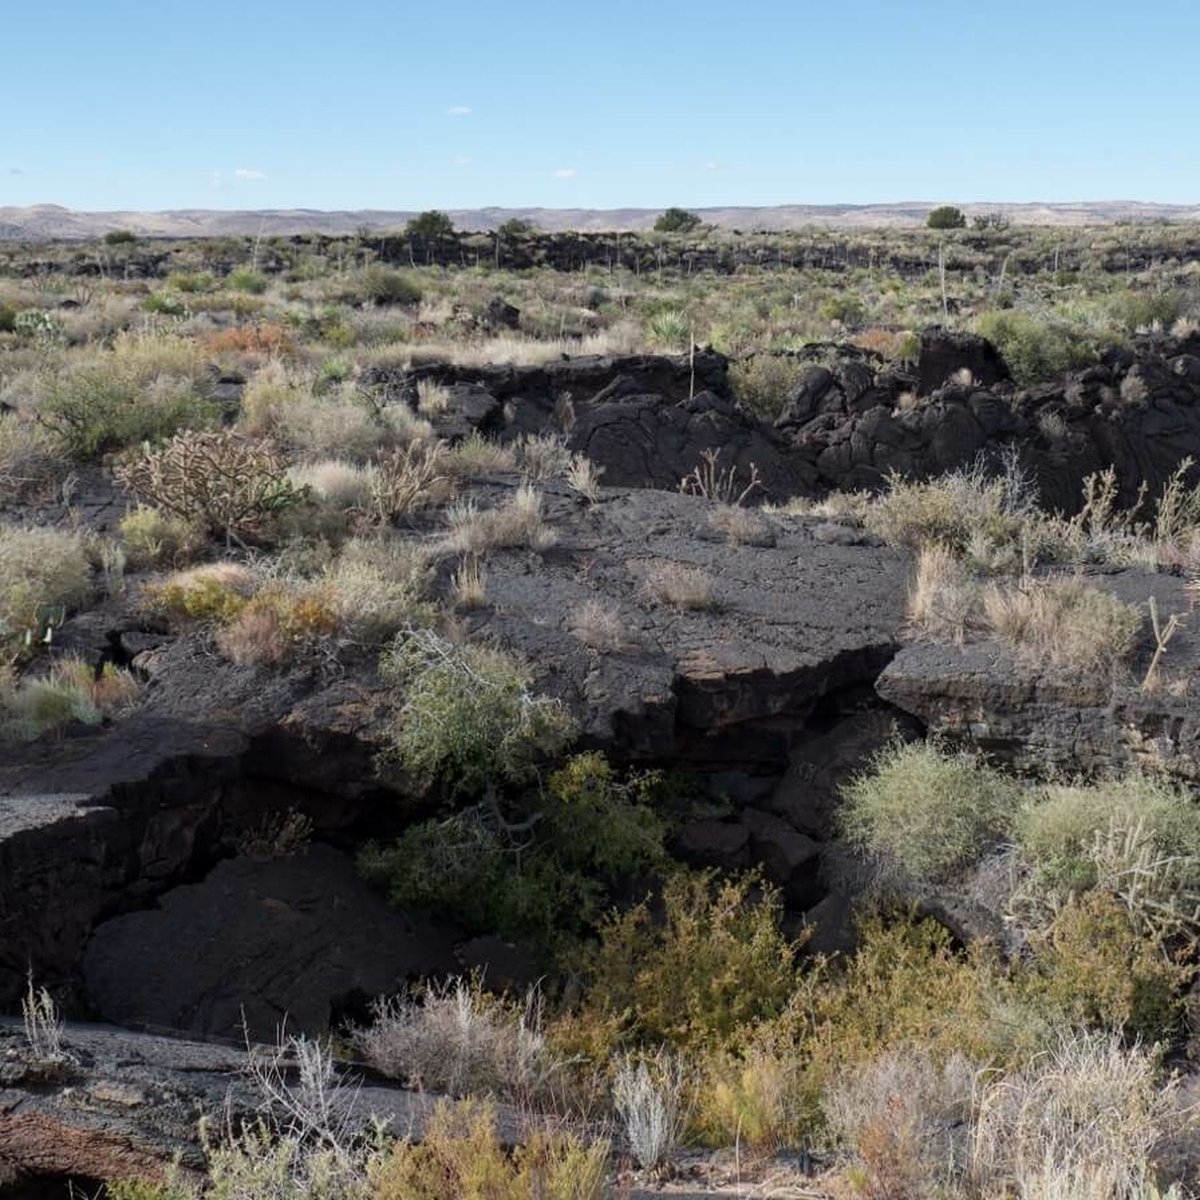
264 942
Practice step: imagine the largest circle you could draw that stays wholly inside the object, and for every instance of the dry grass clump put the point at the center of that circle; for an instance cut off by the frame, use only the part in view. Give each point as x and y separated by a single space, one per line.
72 690
1081 1121
742 526
583 477
346 425
1064 623
477 456
433 398
943 598
154 538
335 481
905 1118
456 1039
377 586
276 623
41 570
599 625
543 456
518 522
624 337
930 813
650 1095
411 478
30 465
680 586
468 582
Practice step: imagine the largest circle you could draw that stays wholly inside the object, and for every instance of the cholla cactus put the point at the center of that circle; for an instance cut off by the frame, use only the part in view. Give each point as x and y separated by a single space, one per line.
221 480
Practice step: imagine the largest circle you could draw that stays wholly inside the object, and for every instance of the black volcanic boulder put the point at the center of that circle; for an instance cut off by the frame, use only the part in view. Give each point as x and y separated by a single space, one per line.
258 940
643 440
945 352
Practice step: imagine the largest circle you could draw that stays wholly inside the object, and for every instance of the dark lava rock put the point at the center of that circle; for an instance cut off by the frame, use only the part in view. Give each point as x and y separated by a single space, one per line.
261 942
945 352
1043 720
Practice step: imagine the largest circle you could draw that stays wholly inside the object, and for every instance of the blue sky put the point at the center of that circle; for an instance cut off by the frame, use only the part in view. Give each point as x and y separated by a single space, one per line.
128 104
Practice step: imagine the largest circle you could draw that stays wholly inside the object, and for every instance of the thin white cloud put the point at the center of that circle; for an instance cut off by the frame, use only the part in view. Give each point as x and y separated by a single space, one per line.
15 171
458 110
461 160
245 173
216 179
711 166
565 173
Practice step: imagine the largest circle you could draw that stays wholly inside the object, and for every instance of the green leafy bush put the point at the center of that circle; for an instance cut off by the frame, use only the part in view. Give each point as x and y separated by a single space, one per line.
932 813
1037 350
468 716
947 217
677 220
702 972
543 874
42 571
243 279
383 286
762 383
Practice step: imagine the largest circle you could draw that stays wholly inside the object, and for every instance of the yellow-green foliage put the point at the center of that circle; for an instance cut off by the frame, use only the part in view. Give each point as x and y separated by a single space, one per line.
1036 349
468 715
1098 969
930 812
71 690
210 593
41 570
707 969
460 1156
762 383
154 538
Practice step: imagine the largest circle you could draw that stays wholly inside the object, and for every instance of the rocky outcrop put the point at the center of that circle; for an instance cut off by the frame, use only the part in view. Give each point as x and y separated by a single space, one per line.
300 937
1045 721
108 820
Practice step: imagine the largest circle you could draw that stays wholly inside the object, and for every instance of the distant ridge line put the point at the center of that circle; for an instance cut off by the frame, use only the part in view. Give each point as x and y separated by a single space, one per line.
45 222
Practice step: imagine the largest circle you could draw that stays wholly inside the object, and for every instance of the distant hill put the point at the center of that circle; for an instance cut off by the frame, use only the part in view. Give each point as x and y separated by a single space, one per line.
49 221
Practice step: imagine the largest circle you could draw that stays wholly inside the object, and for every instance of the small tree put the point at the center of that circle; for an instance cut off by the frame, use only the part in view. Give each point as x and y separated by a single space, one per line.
947 217
120 237
676 220
514 227
431 226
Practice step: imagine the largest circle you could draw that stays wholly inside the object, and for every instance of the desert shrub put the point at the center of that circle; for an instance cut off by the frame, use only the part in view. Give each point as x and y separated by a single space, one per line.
703 973
543 874
905 1118
1098 970
907 986
381 285
959 511
468 716
215 592
142 390
29 464
44 573
72 690
650 1097
407 480
153 538
929 812
460 1154
676 220
1064 623
459 1040
191 282
680 586
433 398
8 318
757 1095
266 398
120 237
947 216
670 329
1132 311
258 337
344 426
342 484
476 456
219 481
1037 350
1082 1120
243 279
845 309
378 587
543 456
1137 838
518 522
742 526
943 598
276 623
